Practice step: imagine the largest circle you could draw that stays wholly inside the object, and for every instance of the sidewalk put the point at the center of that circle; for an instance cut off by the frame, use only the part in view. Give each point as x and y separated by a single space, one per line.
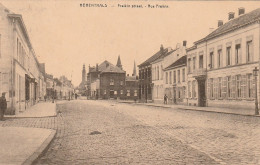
23 145
246 112
43 109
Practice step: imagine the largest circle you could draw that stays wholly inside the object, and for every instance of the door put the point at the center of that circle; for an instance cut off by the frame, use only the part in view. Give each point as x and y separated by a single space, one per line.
202 93
111 94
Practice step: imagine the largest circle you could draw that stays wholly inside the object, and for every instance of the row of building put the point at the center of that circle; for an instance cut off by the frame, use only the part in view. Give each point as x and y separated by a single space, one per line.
22 76
216 71
108 81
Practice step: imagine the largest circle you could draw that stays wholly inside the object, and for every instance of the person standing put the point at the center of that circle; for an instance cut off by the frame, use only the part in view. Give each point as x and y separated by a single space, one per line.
165 99
3 106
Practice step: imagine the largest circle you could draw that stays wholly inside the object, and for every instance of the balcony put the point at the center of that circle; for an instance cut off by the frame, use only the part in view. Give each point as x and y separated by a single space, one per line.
200 73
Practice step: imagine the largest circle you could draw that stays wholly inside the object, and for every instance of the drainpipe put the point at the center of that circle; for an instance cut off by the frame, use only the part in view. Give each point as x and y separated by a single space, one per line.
12 71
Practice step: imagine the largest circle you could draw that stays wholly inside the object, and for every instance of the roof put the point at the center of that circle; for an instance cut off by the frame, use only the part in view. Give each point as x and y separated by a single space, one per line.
107 67
131 78
180 62
233 24
112 69
154 57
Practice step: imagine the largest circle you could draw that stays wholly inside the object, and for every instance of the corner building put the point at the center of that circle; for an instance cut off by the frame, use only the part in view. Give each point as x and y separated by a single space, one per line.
220 66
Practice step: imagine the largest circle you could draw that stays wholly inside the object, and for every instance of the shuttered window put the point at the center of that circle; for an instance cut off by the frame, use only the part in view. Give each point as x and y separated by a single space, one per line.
224 87
238 86
229 87
219 87
243 86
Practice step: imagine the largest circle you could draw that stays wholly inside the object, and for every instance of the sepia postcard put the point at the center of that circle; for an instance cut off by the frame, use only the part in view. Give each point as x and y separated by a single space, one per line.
129 82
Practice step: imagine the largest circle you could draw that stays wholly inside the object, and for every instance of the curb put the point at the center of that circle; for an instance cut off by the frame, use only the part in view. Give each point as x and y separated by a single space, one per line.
41 150
190 109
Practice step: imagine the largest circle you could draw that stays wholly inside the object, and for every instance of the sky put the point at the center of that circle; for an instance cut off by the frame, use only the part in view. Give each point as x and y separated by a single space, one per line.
65 36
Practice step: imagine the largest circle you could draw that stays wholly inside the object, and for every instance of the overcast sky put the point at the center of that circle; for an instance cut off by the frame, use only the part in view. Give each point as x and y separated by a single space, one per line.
65 36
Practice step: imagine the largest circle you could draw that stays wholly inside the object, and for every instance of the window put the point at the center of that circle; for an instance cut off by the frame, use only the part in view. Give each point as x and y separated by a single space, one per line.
229 86
194 63
183 75
111 81
189 92
228 56
249 51
238 52
161 72
128 92
135 92
166 77
193 89
105 92
157 72
201 61
219 87
211 90
189 67
115 92
174 76
219 58
121 92
250 86
179 76
121 82
238 86
211 59
170 77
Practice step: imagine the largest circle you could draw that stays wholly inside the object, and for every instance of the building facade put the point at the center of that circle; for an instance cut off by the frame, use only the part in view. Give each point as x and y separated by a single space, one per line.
220 66
19 67
175 81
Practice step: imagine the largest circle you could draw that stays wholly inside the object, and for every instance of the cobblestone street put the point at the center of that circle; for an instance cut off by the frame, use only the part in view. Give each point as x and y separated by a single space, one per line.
101 132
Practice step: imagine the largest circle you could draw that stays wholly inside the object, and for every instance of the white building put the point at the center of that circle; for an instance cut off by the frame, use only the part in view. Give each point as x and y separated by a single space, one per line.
220 66
19 70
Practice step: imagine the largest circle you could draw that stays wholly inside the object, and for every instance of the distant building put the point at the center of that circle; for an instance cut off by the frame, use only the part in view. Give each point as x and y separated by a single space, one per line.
162 81
106 81
131 86
176 83
83 85
145 75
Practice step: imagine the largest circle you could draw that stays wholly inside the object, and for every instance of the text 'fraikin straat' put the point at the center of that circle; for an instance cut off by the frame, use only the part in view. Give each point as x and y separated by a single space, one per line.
142 6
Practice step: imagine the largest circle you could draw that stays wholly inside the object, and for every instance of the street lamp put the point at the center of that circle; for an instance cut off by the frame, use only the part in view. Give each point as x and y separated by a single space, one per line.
255 73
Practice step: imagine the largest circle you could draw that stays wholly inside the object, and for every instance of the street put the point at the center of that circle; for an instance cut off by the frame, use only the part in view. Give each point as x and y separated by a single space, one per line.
106 132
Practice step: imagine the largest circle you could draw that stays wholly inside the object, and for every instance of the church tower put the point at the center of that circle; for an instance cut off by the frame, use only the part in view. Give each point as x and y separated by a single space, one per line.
134 70
83 74
118 64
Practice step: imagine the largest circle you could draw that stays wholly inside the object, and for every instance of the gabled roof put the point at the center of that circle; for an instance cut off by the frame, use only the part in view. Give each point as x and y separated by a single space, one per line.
112 69
233 24
154 57
180 62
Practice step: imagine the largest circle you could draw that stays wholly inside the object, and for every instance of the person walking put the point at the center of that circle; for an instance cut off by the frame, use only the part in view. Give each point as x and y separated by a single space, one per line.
3 106
165 99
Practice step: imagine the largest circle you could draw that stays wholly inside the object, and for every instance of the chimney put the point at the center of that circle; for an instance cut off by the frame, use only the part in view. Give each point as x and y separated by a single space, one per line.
184 43
97 67
161 48
231 15
220 23
241 10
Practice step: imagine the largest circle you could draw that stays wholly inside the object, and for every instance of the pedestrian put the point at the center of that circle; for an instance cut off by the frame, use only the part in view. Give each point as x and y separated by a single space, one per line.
165 99
76 96
45 97
3 106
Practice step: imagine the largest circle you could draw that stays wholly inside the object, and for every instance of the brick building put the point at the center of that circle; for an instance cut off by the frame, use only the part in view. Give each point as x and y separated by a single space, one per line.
131 87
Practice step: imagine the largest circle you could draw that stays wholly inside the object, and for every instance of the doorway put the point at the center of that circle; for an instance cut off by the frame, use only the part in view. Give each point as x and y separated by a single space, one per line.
201 93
